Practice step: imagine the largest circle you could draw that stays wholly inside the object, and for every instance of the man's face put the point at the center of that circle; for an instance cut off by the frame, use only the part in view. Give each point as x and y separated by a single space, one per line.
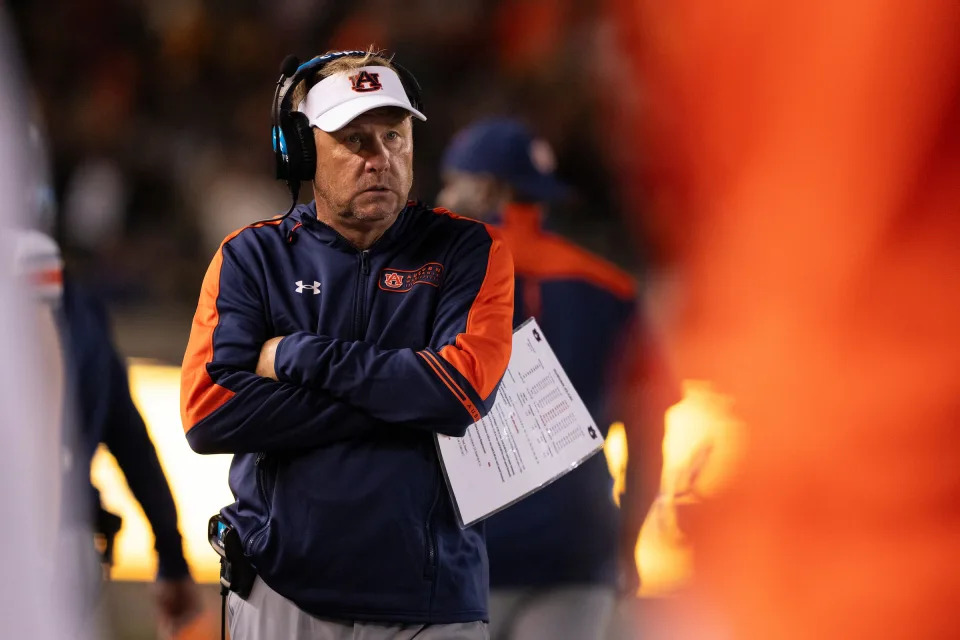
365 170
470 194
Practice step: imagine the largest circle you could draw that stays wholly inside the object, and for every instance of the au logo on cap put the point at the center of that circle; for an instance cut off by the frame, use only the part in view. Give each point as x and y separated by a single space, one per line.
366 81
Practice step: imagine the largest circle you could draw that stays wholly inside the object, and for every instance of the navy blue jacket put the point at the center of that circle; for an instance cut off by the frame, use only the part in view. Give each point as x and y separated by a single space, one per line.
340 500
105 413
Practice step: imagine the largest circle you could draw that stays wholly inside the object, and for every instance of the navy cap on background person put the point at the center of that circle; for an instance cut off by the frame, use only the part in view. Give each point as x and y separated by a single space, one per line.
507 150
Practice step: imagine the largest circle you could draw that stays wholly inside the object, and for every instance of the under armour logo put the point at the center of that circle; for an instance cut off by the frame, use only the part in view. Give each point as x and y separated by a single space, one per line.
315 287
593 433
536 335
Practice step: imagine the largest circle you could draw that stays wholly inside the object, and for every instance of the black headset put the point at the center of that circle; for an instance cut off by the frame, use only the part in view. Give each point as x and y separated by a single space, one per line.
294 149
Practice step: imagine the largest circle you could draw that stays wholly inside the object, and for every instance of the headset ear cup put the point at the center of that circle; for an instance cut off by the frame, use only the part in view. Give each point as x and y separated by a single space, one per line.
300 149
289 156
307 155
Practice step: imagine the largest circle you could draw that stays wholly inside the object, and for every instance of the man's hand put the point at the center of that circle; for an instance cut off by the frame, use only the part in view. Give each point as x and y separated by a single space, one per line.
268 352
177 604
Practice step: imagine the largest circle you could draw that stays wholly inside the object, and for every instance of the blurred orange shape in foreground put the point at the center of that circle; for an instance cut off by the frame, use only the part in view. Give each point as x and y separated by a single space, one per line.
806 158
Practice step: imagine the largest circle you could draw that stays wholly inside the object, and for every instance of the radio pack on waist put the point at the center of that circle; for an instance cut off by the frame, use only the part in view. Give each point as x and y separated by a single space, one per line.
236 572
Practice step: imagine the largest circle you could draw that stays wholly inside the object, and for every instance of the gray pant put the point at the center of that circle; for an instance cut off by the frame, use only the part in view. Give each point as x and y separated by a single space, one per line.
556 613
266 615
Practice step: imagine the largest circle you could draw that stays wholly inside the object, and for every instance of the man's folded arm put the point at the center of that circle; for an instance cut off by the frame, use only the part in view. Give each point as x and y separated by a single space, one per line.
445 386
224 405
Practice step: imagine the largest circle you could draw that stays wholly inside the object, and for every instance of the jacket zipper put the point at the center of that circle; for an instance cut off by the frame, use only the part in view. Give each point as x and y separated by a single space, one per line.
430 569
358 322
261 477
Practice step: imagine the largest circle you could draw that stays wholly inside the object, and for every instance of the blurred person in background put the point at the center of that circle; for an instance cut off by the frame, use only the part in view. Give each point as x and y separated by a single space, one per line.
106 414
101 410
37 570
328 346
37 260
559 557
39 268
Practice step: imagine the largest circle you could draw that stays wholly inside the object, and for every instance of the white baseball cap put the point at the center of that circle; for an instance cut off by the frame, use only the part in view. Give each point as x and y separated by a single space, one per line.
335 101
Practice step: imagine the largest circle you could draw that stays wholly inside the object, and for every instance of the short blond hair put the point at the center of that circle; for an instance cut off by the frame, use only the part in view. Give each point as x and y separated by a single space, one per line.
372 58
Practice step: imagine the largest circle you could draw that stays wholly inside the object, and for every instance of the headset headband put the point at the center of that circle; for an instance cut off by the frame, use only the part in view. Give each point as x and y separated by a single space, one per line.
410 84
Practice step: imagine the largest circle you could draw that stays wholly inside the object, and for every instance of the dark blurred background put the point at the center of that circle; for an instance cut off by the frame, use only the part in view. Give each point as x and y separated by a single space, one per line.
157 116
802 160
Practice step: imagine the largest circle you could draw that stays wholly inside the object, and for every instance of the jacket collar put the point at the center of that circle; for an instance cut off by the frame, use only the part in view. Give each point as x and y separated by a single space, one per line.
522 219
306 215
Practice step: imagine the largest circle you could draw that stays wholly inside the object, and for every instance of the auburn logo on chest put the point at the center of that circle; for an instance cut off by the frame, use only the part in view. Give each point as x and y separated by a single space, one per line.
402 280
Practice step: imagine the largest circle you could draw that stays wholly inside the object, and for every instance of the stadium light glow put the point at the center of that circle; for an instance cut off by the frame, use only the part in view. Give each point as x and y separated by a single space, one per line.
701 446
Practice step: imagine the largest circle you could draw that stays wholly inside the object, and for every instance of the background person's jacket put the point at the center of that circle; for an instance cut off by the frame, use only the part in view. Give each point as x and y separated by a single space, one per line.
99 392
568 532
340 500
